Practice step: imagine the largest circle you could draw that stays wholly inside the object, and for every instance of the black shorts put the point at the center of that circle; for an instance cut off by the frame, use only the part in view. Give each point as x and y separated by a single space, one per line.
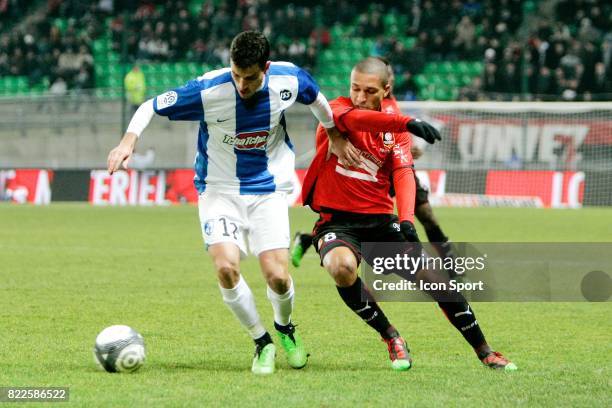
350 230
421 193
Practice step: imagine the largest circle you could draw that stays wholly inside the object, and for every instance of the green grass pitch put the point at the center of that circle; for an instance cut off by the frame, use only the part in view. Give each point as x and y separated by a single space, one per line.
68 271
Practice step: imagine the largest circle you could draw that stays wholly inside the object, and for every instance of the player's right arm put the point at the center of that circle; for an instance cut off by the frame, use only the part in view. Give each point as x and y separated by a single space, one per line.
184 103
310 95
375 121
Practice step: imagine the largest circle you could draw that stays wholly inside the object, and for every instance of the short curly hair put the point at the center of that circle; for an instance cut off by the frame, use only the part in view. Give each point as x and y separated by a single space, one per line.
250 48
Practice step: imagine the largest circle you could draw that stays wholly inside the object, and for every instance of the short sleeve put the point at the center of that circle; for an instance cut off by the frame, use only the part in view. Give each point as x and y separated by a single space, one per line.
184 103
308 89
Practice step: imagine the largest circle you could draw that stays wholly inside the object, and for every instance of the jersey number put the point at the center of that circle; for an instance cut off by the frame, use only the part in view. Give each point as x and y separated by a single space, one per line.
226 232
330 236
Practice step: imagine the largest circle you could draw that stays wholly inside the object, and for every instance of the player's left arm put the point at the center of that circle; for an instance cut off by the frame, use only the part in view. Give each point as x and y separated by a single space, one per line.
404 185
309 94
375 121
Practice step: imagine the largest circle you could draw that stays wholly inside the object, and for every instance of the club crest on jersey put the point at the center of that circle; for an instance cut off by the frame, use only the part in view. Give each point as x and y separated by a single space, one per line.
208 227
388 140
249 140
285 94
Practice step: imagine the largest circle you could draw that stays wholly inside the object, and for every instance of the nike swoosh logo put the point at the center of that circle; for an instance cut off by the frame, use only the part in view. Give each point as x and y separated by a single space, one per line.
221 121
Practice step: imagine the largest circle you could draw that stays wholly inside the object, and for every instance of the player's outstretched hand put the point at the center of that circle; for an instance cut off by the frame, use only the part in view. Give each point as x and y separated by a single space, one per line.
348 155
121 154
424 130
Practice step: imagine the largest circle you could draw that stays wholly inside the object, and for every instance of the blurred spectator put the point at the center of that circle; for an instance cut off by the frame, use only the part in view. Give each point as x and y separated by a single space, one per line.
602 84
135 87
58 87
472 92
405 88
490 81
465 38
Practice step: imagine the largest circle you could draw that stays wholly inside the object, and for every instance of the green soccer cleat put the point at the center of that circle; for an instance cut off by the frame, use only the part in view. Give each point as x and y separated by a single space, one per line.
301 243
399 354
263 361
497 361
293 346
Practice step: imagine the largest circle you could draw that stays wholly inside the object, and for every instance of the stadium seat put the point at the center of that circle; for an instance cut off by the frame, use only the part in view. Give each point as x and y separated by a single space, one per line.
476 68
466 80
421 81
112 57
462 68
338 32
409 42
147 69
431 68
165 68
452 80
114 81
181 69
99 47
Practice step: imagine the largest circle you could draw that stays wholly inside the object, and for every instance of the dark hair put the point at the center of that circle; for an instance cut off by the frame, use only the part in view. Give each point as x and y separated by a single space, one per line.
376 66
250 48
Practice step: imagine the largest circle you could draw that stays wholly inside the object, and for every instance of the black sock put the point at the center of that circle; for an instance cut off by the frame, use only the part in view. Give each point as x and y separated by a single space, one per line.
465 322
435 234
288 329
263 341
368 310
305 241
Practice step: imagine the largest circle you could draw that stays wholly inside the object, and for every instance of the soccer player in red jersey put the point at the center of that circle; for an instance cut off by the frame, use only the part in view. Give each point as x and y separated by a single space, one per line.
355 206
422 208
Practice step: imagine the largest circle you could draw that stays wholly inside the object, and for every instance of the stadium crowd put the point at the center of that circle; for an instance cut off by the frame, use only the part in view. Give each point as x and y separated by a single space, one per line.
556 49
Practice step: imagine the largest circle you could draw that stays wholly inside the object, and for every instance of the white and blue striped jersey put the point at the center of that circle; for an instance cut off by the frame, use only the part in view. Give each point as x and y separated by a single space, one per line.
243 146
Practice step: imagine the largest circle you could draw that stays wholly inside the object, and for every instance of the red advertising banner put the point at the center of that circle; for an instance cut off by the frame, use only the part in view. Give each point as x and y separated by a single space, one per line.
534 188
132 187
159 187
555 188
26 186
529 140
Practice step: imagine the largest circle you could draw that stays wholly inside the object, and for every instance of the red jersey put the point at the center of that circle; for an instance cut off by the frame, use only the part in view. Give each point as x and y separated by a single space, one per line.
390 105
385 148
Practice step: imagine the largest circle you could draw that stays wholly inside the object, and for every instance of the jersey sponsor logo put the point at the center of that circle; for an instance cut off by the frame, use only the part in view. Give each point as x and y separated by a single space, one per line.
285 94
248 140
219 120
369 156
166 100
388 140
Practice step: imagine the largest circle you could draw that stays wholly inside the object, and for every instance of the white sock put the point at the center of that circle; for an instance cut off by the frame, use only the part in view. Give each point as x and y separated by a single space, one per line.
282 305
241 302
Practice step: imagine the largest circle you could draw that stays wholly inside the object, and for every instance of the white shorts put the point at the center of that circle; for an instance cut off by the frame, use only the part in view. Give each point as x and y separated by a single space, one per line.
260 220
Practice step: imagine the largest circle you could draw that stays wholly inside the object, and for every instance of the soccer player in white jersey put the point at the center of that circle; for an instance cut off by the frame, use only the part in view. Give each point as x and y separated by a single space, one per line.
244 166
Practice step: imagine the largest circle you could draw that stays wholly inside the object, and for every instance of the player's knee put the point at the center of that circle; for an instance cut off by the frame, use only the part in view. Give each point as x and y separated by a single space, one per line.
279 283
227 273
277 277
343 269
274 267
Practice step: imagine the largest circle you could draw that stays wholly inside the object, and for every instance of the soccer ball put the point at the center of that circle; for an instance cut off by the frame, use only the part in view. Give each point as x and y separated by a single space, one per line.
119 349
